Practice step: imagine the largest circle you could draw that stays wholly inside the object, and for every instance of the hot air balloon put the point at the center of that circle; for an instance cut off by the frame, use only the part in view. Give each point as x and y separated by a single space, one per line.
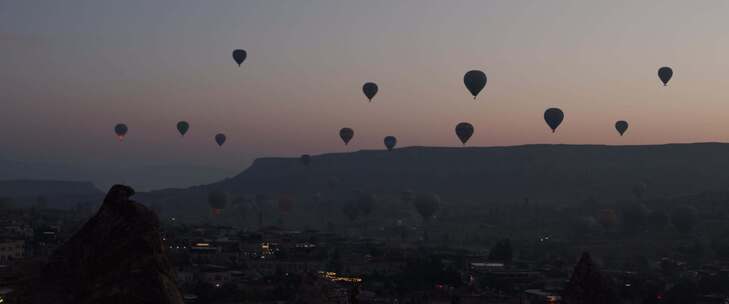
427 205
220 139
390 142
305 159
475 81
346 135
217 200
285 203
464 131
665 74
121 130
370 90
621 126
553 117
239 56
639 189
182 127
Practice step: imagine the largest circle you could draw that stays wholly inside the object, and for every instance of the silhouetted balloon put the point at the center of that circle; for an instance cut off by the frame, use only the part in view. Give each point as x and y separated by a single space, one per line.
370 90
285 203
639 189
121 130
621 126
390 142
346 135
665 74
464 131
427 205
217 200
182 127
239 56
305 159
475 81
220 139
553 117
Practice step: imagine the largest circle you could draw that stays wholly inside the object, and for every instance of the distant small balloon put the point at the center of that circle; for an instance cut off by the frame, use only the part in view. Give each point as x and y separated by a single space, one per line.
220 139
121 130
182 127
553 117
370 90
239 56
346 135
665 74
475 81
305 159
464 131
621 126
390 142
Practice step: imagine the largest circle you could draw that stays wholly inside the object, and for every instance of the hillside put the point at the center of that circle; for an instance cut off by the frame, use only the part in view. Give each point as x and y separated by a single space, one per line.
57 194
547 173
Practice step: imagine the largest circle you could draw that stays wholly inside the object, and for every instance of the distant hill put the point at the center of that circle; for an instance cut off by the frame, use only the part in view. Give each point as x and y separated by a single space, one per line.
548 173
57 194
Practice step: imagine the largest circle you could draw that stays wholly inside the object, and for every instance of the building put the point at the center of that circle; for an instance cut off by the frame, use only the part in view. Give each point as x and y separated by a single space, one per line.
11 250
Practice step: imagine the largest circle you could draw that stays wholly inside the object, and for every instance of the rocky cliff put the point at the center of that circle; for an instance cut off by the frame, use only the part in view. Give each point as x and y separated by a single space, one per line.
117 257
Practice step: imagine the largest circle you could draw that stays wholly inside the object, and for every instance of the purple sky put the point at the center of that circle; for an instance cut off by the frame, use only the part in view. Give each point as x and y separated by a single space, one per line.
70 70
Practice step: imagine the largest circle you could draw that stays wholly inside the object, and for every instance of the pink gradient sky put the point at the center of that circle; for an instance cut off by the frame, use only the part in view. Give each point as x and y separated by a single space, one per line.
70 70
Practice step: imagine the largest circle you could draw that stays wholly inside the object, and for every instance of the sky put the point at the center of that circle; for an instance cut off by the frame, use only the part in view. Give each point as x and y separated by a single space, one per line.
71 70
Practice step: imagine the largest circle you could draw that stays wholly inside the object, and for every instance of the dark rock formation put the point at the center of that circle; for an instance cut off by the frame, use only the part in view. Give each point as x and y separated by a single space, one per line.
589 285
117 257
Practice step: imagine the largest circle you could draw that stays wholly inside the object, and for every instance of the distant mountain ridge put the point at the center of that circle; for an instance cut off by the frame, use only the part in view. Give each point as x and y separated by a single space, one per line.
543 172
53 193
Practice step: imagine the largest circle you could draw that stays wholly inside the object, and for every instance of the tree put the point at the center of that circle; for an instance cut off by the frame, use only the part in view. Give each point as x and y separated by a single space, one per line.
684 218
501 251
685 291
589 285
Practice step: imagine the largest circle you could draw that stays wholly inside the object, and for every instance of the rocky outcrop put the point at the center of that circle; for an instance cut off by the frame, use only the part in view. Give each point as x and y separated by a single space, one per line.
117 257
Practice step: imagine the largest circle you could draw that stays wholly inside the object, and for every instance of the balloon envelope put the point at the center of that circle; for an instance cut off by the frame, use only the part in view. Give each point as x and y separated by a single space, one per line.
553 117
621 126
464 131
239 56
121 130
475 81
182 127
390 142
220 139
665 74
370 90
305 159
346 135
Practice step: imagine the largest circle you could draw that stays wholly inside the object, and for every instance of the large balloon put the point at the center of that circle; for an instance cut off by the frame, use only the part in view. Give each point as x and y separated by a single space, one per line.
121 130
553 117
475 81
346 135
220 139
464 131
239 56
621 126
305 159
370 90
665 74
390 142
182 127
